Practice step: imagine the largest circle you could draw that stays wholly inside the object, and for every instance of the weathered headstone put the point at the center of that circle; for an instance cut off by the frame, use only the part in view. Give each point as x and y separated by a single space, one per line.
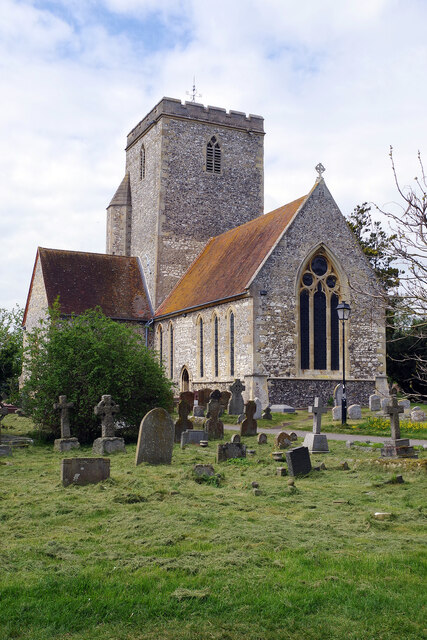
384 404
224 399
188 396
338 391
83 471
266 414
282 440
398 447
336 413
193 436
203 470
236 405
406 404
65 442
298 461
155 438
258 412
316 442
106 409
213 425
198 411
230 450
235 438
203 395
262 438
249 425
293 436
183 423
418 415
354 412
374 402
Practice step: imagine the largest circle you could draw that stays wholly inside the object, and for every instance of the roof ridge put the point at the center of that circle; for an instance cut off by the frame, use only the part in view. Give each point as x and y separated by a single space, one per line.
92 253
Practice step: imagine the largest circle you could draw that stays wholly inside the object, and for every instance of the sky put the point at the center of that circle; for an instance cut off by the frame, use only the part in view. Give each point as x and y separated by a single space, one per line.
336 82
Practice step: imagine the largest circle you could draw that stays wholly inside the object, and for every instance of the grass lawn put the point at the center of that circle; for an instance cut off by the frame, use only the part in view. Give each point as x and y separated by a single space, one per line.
151 554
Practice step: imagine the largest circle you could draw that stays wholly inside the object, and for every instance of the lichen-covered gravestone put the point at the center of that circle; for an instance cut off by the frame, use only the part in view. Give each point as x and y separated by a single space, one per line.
316 442
249 425
213 425
183 423
262 438
236 405
230 450
155 438
266 415
355 412
65 442
282 440
83 471
106 409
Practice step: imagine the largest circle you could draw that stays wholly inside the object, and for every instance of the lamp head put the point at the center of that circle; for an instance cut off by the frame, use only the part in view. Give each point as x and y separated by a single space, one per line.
343 310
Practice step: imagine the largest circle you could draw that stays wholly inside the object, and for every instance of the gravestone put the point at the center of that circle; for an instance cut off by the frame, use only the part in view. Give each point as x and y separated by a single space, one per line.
262 438
316 442
338 392
336 413
298 461
155 438
384 404
236 405
65 442
203 470
198 411
83 471
374 402
258 412
235 438
188 396
398 447
282 440
266 414
224 399
203 395
418 415
405 403
230 450
213 425
354 412
193 436
281 408
106 409
249 425
183 423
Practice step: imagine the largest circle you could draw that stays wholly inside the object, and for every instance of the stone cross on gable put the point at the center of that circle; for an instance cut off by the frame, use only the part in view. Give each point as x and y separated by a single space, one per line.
393 410
63 405
317 411
106 409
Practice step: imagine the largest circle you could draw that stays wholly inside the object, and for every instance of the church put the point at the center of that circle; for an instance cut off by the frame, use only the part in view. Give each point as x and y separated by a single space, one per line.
218 288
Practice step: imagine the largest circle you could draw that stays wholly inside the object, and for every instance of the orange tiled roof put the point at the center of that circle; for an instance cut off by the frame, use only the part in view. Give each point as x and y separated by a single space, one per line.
228 262
84 280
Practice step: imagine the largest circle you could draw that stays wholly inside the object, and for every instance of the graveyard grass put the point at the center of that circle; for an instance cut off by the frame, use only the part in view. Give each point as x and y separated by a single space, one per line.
151 554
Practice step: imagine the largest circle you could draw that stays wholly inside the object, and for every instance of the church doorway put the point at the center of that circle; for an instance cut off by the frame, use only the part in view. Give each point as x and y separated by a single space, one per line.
185 380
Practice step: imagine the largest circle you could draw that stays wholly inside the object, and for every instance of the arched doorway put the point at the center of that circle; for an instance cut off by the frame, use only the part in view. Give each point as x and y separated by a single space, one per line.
185 380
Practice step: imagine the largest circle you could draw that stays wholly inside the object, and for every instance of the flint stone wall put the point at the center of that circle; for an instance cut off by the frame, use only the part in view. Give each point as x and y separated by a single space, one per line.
300 393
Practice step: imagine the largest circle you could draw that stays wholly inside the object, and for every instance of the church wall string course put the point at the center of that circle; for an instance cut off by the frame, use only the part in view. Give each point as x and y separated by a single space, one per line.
228 292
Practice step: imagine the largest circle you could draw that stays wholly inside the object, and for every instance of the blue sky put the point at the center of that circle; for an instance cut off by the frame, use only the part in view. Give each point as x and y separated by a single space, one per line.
336 82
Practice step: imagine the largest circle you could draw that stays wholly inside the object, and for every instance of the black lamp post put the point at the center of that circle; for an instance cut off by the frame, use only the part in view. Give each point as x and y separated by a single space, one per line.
343 310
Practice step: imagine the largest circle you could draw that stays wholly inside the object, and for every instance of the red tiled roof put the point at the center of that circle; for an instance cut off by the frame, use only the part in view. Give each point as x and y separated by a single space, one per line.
228 262
85 280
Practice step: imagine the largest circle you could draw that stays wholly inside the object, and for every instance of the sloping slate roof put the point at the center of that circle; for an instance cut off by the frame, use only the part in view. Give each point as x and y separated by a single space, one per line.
85 280
228 262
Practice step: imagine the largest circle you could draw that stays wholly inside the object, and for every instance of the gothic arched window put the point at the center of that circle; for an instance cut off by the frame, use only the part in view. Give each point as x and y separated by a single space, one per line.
142 163
216 343
171 350
231 345
213 156
200 339
318 298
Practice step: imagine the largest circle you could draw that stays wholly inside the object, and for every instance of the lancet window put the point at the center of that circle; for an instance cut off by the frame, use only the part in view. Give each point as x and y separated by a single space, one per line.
201 346
231 333
216 341
213 156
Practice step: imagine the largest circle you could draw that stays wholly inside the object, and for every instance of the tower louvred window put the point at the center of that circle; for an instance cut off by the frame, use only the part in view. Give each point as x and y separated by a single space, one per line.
213 156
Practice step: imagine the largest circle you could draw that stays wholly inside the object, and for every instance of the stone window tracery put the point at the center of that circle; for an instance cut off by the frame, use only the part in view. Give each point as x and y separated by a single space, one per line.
319 292
213 156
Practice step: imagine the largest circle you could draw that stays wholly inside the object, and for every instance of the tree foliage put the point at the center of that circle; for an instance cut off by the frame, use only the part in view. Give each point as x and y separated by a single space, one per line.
83 358
10 351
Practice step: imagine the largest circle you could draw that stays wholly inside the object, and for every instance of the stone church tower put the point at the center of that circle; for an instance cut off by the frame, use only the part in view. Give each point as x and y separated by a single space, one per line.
192 172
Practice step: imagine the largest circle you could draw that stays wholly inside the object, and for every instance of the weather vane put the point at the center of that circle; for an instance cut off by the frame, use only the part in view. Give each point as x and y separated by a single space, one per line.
193 93
320 169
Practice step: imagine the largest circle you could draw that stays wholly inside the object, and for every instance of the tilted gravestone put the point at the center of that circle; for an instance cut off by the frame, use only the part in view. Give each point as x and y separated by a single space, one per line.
236 405
65 442
155 438
83 471
183 423
316 442
230 450
193 436
282 440
106 409
374 402
213 424
262 438
249 425
298 461
398 447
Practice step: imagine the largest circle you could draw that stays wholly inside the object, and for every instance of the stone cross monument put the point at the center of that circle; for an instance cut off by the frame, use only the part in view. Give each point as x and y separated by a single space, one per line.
236 405
106 409
65 442
398 447
316 442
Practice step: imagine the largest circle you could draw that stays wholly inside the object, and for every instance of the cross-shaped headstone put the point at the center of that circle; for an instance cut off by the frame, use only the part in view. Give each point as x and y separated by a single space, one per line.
237 387
106 409
393 410
63 405
317 411
3 412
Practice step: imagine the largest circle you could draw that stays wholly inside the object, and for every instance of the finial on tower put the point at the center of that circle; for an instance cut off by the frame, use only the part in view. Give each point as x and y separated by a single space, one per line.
193 93
320 169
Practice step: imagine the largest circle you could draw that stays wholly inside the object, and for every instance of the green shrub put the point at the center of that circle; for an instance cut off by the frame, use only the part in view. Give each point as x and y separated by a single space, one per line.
83 358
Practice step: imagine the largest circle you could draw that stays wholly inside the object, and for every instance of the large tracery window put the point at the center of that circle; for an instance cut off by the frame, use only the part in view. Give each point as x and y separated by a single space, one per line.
318 297
213 156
